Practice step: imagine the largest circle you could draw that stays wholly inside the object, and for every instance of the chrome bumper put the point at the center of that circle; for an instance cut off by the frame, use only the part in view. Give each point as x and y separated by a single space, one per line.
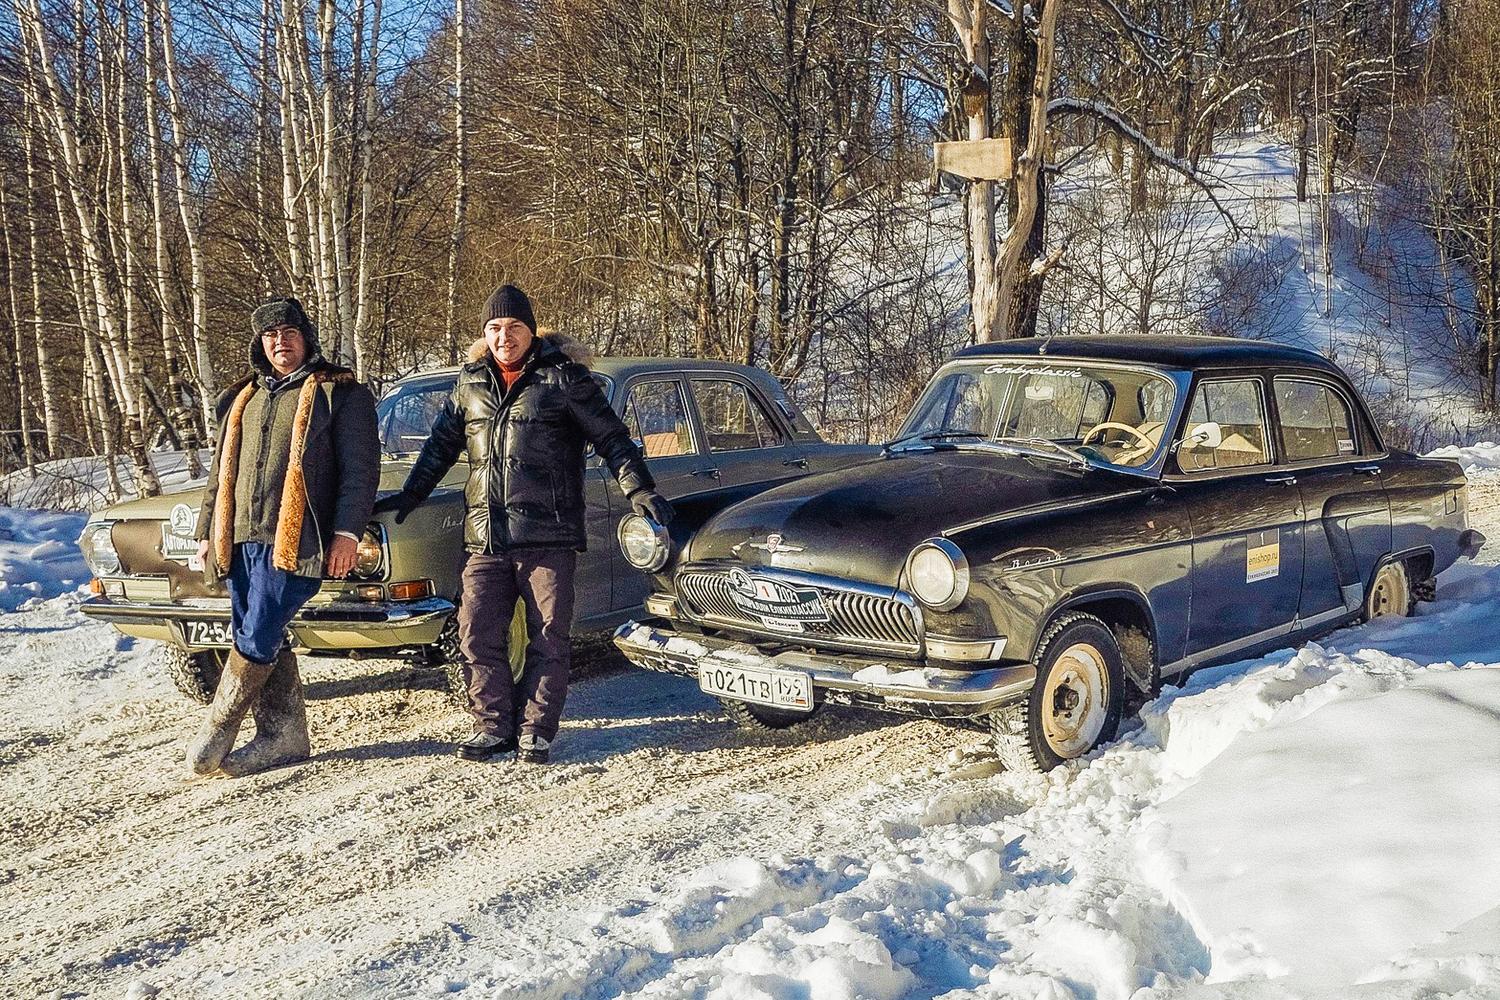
871 682
376 620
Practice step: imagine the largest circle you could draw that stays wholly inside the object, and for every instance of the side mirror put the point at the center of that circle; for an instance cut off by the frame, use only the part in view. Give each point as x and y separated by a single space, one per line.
1205 435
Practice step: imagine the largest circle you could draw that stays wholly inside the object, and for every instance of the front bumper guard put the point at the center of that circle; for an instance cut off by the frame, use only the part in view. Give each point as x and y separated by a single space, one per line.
371 618
843 679
1470 542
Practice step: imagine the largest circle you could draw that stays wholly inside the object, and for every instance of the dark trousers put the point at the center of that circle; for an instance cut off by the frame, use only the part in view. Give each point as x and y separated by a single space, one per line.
543 580
262 601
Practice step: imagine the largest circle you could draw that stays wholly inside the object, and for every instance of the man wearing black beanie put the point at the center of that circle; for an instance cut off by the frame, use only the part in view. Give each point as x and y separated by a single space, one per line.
522 410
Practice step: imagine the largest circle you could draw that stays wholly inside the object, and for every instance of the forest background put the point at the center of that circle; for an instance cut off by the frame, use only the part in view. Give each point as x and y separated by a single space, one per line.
744 179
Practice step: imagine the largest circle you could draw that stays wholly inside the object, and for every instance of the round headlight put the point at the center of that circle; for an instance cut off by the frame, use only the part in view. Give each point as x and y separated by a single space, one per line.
369 553
644 542
99 548
938 574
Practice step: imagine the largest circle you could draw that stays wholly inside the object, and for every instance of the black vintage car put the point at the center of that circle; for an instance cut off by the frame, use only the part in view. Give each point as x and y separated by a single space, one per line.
1055 520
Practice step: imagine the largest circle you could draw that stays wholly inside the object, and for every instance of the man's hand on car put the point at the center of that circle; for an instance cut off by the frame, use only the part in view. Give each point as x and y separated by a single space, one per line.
402 502
342 553
649 503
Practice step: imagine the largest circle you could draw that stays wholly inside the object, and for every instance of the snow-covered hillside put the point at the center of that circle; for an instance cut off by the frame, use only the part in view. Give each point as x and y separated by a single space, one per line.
1318 823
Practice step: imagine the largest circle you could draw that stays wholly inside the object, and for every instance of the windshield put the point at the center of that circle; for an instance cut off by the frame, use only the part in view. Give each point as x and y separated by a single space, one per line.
405 417
1108 414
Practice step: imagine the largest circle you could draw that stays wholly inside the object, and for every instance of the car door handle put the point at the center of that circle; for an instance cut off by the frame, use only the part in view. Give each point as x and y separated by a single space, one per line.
800 463
705 472
1369 470
1288 479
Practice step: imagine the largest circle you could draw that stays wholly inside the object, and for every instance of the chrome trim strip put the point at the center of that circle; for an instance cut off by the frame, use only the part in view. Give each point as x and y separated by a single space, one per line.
965 650
351 614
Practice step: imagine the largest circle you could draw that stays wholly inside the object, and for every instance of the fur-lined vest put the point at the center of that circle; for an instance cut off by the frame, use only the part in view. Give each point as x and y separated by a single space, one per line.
525 448
332 469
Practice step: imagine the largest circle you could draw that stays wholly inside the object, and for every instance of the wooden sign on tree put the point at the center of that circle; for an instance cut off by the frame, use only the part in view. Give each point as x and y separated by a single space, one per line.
976 159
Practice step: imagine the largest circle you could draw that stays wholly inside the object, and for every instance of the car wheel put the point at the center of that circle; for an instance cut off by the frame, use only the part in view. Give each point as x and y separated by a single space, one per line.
1075 703
446 654
761 718
1390 593
196 675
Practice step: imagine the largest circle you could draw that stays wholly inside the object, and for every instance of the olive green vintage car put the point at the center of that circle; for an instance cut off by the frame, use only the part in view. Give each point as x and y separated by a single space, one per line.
709 430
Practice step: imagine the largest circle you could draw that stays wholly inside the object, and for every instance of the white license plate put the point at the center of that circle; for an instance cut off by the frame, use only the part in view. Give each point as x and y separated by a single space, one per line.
201 633
778 688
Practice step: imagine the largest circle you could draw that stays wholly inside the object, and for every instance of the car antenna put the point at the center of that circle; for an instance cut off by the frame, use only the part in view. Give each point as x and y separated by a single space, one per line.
1043 349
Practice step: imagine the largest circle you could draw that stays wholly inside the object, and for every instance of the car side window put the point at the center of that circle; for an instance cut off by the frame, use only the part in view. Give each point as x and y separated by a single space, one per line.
732 418
406 418
656 415
1315 421
1226 427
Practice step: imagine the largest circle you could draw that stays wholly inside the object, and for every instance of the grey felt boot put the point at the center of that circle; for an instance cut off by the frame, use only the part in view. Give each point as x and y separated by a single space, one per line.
239 684
280 723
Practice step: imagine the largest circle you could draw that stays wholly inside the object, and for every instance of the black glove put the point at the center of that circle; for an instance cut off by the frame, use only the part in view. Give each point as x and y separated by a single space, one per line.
403 503
649 503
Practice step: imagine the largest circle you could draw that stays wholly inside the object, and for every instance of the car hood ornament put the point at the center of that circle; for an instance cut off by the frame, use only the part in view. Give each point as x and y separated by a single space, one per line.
774 544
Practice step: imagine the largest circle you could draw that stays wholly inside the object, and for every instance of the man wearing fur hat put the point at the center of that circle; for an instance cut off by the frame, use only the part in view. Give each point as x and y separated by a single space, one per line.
289 492
522 410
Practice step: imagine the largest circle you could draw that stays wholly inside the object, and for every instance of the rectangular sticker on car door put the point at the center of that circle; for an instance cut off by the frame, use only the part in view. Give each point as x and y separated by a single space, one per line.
1262 555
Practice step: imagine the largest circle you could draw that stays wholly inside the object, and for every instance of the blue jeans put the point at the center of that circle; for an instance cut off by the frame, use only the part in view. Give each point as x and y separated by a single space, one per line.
262 601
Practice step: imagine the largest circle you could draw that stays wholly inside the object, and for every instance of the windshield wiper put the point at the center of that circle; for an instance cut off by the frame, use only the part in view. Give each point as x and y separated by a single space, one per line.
932 436
1060 451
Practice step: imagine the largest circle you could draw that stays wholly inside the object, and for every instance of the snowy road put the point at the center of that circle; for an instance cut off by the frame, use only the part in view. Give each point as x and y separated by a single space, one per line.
666 855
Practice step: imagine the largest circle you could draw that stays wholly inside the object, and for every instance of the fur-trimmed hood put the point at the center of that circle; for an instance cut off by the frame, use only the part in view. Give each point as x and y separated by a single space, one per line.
571 348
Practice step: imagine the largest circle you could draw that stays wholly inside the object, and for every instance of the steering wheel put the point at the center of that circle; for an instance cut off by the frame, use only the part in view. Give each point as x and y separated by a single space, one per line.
1110 425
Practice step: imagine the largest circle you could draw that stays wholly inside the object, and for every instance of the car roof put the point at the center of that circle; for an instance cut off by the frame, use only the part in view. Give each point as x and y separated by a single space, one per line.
622 367
1168 352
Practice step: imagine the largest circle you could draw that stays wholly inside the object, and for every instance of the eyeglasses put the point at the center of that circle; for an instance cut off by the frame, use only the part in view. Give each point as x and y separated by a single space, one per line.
281 333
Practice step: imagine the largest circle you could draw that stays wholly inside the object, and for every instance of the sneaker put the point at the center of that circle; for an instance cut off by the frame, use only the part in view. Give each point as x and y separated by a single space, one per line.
483 746
533 749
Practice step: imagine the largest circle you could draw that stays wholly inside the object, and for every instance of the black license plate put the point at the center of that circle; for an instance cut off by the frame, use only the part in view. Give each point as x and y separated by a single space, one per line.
206 633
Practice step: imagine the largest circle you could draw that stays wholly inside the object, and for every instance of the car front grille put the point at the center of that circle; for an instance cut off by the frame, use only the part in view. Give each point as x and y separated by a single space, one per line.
857 620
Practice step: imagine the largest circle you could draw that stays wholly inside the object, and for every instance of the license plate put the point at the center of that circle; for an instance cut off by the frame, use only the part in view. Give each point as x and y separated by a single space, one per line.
210 633
764 686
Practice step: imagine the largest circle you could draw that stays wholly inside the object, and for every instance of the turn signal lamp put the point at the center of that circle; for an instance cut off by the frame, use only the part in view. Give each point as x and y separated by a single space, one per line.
410 590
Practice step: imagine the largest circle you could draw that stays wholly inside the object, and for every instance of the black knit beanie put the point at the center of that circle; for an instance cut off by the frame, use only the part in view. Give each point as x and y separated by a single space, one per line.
508 302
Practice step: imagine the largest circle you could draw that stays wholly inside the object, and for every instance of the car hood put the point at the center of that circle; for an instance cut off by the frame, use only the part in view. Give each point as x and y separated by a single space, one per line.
861 523
158 508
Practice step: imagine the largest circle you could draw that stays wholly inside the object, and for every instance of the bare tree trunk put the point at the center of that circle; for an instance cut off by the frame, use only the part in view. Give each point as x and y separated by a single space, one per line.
208 383
1028 169
135 369
178 414
362 351
23 377
968 19
460 181
45 375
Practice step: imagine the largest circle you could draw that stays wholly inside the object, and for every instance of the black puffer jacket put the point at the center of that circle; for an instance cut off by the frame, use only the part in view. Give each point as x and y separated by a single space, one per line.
525 450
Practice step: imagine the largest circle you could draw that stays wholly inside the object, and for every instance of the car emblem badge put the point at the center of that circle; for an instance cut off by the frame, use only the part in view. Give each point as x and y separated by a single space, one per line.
182 519
774 544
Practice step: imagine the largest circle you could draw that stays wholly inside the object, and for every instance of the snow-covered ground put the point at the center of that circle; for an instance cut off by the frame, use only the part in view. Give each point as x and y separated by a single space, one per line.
1318 823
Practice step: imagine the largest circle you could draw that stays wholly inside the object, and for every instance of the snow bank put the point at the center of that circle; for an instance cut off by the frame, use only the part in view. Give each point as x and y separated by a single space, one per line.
1475 458
1293 825
39 556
